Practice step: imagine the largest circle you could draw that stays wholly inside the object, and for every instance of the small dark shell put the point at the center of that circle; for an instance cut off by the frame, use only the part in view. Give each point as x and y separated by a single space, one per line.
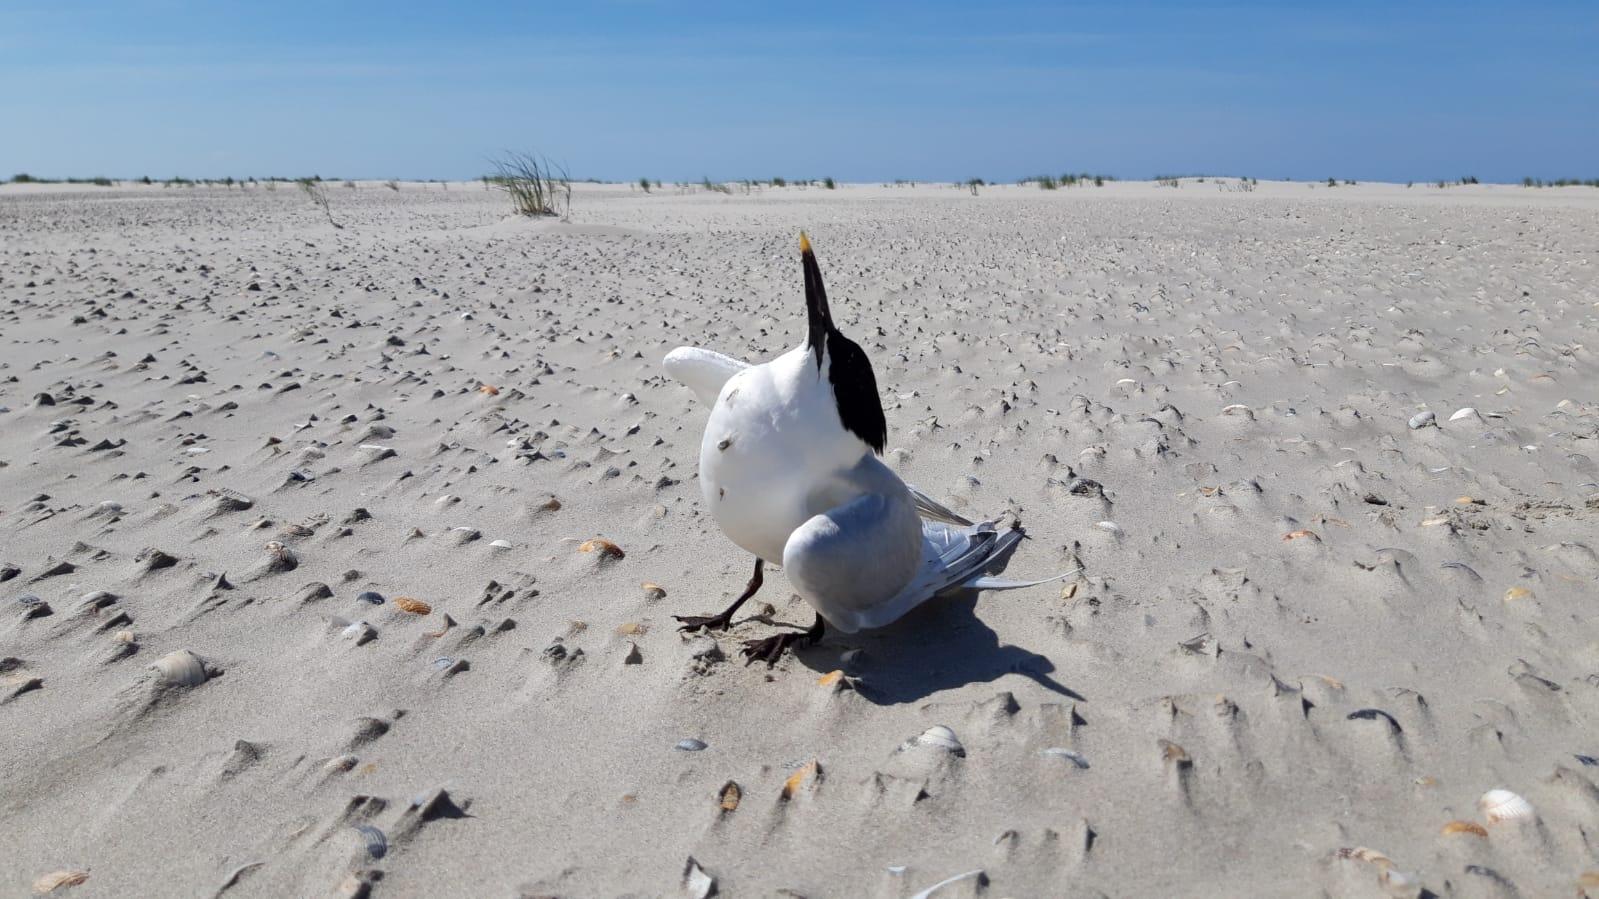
371 596
377 845
1374 715
1588 760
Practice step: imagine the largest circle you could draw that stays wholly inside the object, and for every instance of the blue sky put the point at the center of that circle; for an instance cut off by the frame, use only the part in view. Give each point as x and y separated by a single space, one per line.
862 92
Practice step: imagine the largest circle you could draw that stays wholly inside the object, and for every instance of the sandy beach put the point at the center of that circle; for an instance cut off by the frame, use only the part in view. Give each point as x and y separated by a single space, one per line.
300 596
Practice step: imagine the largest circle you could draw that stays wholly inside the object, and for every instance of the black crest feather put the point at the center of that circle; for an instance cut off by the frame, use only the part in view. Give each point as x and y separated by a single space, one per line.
860 408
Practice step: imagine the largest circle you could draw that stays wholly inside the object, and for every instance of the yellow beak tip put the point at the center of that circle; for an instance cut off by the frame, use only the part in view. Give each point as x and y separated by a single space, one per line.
805 243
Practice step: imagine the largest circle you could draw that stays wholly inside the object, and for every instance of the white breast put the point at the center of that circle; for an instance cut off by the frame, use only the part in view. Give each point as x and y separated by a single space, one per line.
773 436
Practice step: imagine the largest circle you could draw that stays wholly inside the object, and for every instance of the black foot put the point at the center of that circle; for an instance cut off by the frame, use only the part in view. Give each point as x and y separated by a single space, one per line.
692 623
772 648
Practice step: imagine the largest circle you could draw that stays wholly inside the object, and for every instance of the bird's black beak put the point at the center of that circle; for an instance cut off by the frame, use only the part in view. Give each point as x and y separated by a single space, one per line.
819 320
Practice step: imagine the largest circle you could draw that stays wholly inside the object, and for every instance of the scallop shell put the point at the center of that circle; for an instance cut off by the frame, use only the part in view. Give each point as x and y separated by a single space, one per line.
1498 806
1460 827
123 636
377 845
603 547
57 879
414 606
183 668
940 737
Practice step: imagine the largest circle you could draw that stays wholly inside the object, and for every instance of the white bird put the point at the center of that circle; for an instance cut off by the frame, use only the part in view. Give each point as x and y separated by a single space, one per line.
789 469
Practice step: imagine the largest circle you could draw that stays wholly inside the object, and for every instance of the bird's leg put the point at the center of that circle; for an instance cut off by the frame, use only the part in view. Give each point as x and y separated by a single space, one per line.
693 623
772 648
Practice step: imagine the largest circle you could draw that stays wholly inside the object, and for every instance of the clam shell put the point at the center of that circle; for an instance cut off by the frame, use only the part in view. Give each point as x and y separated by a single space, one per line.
1423 419
654 591
940 737
371 596
603 547
690 745
500 544
56 879
183 668
414 606
1467 412
1498 806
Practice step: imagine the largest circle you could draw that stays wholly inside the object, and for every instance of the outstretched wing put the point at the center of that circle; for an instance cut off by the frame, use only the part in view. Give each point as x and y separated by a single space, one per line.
702 371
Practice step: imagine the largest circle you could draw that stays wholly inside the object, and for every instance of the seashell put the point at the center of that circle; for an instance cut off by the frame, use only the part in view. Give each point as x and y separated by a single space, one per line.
488 390
1109 526
940 737
810 771
359 631
950 881
1234 409
696 882
653 592
603 547
1515 593
414 606
830 678
340 763
1467 412
1423 419
1362 854
1174 754
182 668
1071 755
443 663
500 544
123 636
690 745
371 596
1459 827
1295 535
729 797
1502 805
632 629
377 845
57 879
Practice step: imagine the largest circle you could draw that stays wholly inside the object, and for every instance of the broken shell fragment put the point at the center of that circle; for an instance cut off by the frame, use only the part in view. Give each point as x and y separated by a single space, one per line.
181 668
57 879
414 606
603 547
940 737
1515 593
1464 827
729 798
1295 535
1499 806
811 771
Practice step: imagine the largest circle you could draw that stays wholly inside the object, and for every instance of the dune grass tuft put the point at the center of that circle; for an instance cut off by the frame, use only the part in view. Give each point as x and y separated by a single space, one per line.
536 186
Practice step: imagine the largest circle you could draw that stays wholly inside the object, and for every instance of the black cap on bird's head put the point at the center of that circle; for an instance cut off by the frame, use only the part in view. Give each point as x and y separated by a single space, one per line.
854 385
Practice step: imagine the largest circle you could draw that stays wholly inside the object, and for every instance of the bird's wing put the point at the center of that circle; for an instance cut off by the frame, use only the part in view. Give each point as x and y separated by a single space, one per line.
702 371
954 558
933 510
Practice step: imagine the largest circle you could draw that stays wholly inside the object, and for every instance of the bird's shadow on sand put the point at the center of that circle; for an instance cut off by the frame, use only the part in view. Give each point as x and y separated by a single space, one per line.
939 646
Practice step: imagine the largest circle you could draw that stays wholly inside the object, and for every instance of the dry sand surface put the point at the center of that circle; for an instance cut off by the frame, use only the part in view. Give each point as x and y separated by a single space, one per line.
1321 611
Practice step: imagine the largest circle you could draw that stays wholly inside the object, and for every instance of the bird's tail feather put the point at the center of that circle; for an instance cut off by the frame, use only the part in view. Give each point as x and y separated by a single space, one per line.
933 510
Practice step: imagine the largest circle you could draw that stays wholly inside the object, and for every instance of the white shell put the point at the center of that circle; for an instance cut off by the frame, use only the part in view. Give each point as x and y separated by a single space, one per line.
501 544
1502 805
940 737
1071 755
1467 412
1423 419
183 668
